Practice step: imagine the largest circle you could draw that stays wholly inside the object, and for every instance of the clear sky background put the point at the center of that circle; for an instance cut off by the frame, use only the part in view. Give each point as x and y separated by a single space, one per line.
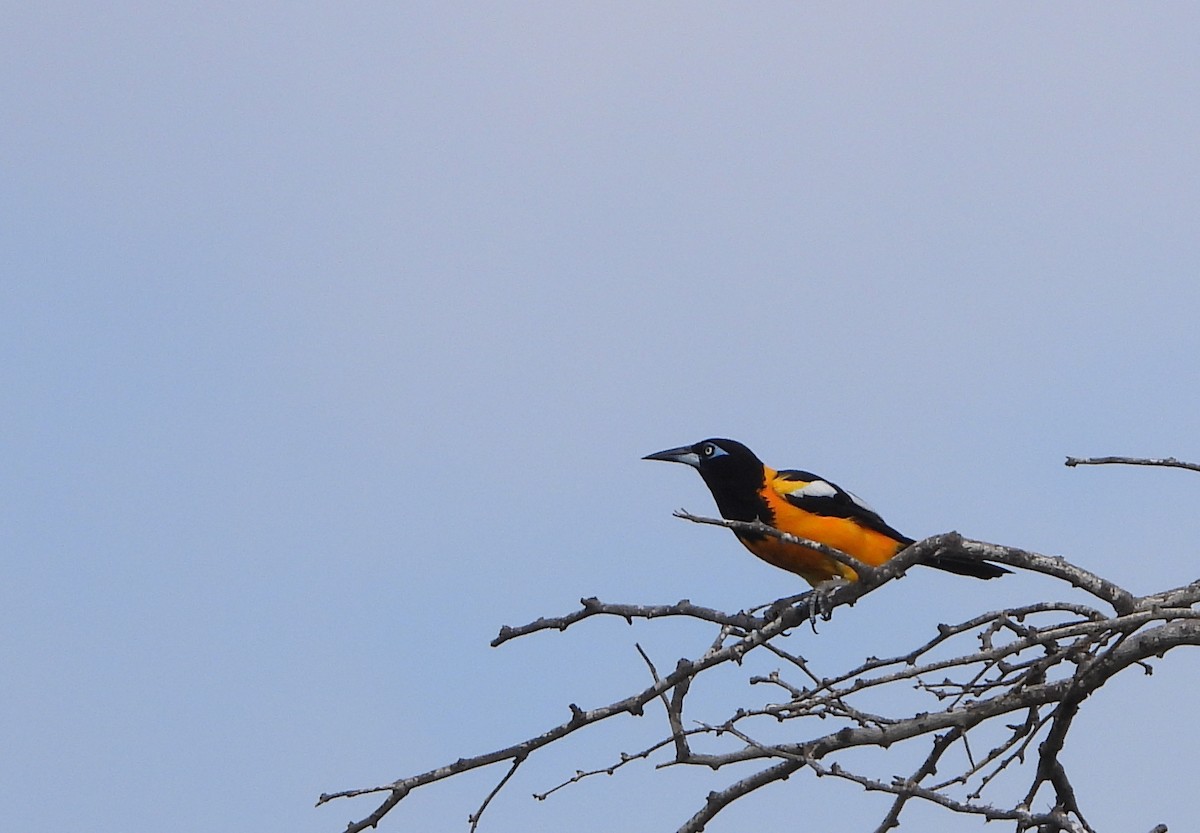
333 334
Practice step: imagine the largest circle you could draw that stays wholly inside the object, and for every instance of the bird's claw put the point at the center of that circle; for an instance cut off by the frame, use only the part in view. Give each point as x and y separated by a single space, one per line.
820 600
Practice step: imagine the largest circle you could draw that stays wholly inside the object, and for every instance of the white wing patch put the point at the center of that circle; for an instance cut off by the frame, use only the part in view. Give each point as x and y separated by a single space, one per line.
861 503
815 488
823 488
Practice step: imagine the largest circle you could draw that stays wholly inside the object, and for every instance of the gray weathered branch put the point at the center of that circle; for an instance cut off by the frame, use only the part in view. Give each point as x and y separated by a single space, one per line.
1169 462
1039 662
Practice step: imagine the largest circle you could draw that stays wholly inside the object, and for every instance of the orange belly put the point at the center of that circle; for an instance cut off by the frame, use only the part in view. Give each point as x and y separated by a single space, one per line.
866 545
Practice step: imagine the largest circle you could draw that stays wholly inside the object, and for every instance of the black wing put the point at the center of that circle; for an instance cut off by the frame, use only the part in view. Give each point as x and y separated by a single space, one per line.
815 494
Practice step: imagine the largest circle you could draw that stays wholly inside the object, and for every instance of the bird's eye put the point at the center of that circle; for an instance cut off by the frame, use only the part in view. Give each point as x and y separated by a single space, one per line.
708 450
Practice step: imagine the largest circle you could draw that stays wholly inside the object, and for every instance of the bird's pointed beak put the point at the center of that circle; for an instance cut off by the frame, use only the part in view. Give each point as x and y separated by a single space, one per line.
683 454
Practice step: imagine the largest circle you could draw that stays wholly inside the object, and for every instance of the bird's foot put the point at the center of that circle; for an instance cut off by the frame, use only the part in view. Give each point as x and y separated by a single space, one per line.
820 602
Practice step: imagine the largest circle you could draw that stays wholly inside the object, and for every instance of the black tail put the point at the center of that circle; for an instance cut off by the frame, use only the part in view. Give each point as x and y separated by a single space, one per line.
965 566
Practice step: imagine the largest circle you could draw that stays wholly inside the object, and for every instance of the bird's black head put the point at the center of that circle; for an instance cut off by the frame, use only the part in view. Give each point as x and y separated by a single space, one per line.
727 466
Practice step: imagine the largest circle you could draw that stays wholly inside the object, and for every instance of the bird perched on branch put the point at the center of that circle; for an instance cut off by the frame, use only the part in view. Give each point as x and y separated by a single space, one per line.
804 505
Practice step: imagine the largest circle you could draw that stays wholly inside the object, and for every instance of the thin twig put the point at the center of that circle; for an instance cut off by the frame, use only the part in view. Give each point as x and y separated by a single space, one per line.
594 607
760 528
1169 462
478 814
940 744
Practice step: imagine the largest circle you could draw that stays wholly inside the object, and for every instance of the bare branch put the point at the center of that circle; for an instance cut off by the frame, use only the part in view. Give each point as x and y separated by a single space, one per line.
1039 662
626 758
580 718
760 528
478 814
940 744
1054 820
1051 565
720 799
1169 462
594 607
674 706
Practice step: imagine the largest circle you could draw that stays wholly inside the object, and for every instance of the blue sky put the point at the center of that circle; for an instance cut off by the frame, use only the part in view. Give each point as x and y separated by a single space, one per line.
333 335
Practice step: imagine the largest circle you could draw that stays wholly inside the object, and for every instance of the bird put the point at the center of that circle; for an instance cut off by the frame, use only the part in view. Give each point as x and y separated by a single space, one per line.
807 506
